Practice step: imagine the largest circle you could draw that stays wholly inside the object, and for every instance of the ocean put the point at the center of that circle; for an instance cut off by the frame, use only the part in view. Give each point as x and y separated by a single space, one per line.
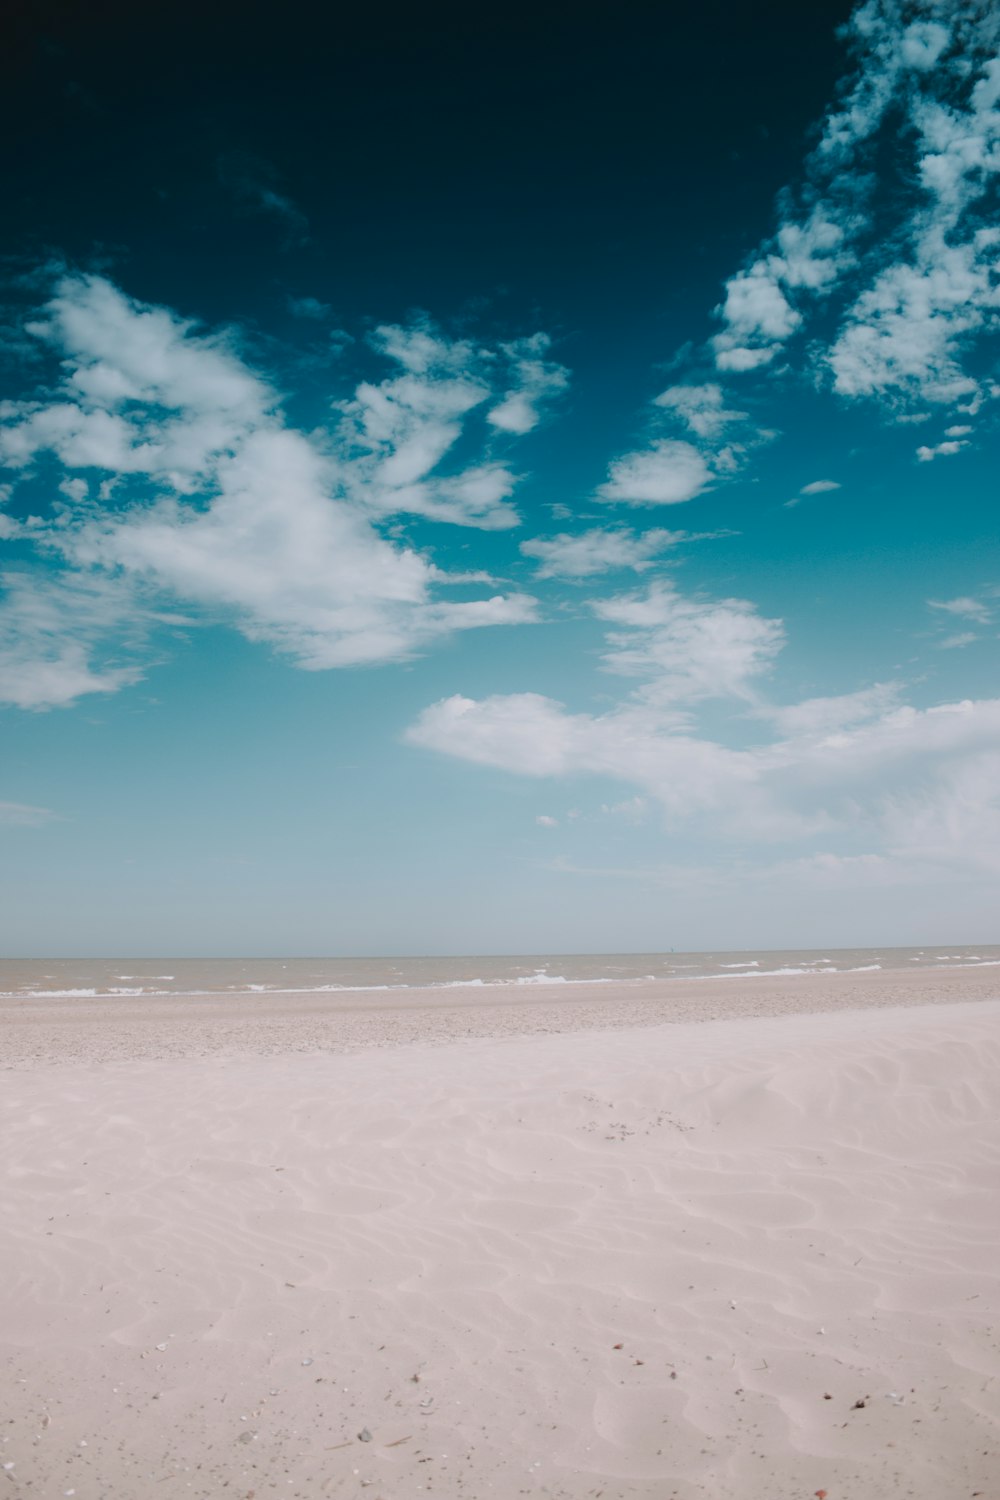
92 977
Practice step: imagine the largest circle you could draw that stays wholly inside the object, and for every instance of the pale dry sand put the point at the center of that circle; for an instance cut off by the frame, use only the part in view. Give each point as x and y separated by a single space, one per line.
663 1258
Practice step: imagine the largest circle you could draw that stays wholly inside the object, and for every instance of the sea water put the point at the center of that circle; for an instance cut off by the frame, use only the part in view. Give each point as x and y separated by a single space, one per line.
92 977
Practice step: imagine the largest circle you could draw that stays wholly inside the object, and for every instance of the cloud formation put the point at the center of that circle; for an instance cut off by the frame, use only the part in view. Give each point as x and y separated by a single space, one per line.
701 407
946 449
918 294
914 785
816 487
394 437
673 470
55 628
668 473
183 481
23 815
585 554
965 608
685 651
688 649
533 379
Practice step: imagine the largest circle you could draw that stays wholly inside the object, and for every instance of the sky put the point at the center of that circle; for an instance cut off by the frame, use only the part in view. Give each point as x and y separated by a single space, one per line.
505 481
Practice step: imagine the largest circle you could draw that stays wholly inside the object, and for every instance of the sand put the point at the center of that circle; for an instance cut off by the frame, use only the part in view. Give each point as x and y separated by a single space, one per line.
466 1246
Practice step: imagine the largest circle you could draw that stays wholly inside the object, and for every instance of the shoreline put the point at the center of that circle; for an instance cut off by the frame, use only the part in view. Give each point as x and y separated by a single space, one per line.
43 1031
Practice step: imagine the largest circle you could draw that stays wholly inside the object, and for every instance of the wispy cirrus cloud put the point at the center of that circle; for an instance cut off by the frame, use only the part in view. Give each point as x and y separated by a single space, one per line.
966 608
968 611
23 815
815 487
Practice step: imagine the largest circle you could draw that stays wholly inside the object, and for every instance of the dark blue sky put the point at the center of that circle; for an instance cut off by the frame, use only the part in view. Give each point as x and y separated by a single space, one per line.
606 166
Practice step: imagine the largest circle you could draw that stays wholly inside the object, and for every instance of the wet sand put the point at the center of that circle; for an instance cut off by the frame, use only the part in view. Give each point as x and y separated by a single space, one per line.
66 1029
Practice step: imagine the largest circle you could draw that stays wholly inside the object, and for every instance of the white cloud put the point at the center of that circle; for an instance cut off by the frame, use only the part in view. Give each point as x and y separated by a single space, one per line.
965 607
395 436
702 407
817 487
905 332
755 309
599 550
535 736
544 821
534 381
922 44
23 815
758 316
294 569
686 650
668 473
920 295
940 450
689 649
918 784
671 470
124 351
824 716
633 809
522 732
51 628
123 364
208 497
956 642
957 825
515 413
913 787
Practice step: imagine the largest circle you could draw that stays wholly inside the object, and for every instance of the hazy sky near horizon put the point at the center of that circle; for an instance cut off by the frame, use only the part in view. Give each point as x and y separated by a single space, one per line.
500 481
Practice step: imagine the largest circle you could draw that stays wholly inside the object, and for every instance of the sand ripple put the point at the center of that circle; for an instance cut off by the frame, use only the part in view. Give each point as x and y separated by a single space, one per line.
660 1262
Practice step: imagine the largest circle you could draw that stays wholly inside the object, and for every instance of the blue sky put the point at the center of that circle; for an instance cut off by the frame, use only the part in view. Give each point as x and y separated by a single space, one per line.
479 487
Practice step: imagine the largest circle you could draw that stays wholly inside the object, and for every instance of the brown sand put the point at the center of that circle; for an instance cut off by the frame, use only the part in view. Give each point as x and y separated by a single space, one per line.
570 1244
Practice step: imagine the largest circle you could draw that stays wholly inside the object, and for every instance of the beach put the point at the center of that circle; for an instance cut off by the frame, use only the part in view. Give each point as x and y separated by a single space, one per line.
689 1238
